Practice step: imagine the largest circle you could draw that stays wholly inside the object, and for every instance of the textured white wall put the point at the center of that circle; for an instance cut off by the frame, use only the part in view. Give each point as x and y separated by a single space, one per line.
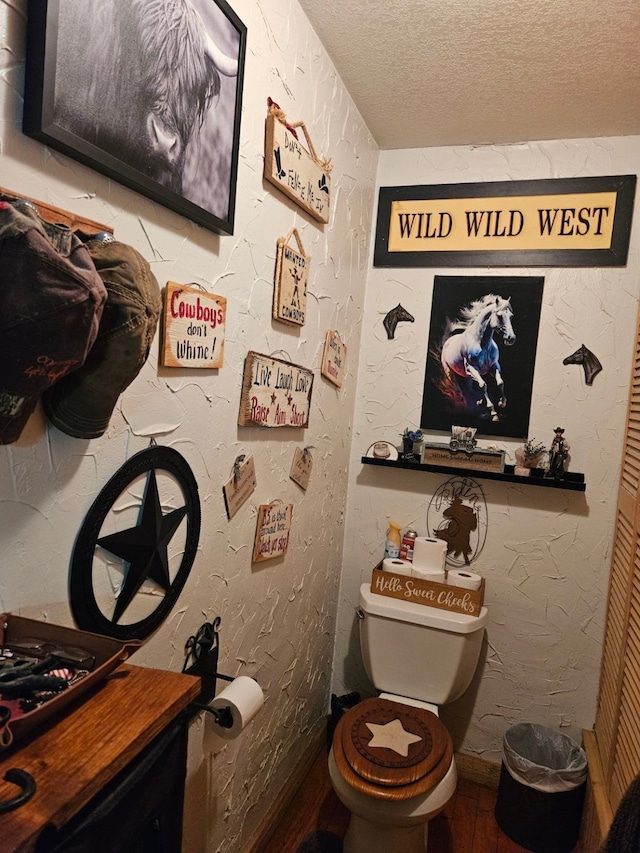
547 553
278 617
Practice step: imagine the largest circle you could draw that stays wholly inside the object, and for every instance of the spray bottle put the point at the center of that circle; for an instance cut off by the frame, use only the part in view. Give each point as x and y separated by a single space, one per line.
392 545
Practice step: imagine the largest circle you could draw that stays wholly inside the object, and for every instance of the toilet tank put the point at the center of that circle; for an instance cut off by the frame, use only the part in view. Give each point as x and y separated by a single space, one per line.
418 651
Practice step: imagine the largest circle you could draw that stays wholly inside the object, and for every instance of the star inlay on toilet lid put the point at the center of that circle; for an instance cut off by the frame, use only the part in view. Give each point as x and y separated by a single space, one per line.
393 736
390 783
381 738
381 712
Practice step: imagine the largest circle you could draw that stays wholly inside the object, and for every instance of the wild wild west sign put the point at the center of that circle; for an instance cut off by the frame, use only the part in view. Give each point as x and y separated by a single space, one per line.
566 222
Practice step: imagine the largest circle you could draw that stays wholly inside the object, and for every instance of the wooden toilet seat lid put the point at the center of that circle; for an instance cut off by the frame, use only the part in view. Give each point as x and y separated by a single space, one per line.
420 757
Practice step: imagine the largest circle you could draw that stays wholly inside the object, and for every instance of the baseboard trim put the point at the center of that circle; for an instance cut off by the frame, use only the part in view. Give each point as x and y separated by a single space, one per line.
315 743
478 770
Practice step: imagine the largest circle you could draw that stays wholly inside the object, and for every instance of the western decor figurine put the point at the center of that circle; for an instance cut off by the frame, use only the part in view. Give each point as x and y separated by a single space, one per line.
558 455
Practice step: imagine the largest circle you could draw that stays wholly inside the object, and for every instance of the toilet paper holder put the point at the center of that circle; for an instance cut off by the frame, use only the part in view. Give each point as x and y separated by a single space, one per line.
201 658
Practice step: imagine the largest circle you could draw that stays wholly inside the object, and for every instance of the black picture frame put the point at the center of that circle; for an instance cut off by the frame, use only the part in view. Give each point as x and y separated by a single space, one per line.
88 88
449 401
615 254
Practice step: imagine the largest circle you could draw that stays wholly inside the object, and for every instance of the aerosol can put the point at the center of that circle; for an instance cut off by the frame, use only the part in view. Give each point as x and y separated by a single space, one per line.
392 545
406 546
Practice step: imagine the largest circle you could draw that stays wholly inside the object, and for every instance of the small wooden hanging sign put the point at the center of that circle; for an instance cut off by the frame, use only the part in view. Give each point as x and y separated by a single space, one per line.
272 531
334 359
296 171
275 393
193 327
290 290
241 486
301 467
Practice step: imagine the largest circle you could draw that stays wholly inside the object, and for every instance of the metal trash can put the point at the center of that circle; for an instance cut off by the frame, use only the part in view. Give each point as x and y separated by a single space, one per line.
541 790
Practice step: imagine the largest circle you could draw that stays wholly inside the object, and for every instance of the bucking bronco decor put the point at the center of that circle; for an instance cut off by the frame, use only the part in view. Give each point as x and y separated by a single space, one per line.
481 353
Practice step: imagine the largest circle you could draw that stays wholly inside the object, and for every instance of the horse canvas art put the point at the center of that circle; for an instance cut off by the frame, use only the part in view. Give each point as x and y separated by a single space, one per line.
469 351
481 353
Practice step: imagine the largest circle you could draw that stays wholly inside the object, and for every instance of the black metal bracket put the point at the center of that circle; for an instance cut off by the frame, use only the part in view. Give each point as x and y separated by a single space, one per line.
223 716
201 659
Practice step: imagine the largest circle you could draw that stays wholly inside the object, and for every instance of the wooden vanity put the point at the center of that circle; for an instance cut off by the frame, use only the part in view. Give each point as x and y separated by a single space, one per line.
102 742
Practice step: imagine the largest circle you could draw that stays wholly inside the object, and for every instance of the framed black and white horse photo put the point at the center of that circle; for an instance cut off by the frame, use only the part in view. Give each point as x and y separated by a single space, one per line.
481 353
148 92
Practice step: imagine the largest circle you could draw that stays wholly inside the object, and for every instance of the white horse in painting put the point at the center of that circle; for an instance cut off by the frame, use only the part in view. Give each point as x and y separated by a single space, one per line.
469 350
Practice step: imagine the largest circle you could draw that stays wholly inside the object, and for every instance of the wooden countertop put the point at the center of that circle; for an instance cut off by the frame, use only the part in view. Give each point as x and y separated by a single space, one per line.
74 758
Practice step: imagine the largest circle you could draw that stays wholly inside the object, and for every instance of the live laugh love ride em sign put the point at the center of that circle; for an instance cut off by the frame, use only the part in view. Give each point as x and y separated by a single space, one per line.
565 222
275 393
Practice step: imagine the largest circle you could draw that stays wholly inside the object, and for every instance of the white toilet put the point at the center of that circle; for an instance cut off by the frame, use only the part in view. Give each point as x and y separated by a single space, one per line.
391 763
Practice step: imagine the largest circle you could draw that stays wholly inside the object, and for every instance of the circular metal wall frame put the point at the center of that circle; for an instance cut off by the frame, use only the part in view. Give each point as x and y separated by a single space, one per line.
143 548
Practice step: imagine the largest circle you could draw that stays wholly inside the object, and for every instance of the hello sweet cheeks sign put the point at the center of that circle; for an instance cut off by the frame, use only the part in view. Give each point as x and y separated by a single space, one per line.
417 591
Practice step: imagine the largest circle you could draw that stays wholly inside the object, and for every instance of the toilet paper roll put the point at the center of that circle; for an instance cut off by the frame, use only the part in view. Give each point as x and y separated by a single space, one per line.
244 697
429 553
464 579
400 567
426 574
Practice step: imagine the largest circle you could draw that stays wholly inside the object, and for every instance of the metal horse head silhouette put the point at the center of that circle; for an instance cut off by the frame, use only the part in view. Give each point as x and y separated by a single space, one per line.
588 360
395 316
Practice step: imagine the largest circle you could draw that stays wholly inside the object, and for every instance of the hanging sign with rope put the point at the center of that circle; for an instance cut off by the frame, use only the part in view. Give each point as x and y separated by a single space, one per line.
292 273
297 171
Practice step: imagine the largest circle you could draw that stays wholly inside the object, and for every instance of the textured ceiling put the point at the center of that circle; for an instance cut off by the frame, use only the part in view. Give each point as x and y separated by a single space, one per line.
448 72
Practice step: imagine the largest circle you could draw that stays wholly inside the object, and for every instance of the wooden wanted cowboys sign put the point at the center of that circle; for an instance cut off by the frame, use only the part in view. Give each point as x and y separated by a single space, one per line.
275 393
290 285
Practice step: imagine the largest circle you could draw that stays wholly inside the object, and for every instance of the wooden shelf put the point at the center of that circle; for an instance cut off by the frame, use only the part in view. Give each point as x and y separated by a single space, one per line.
571 481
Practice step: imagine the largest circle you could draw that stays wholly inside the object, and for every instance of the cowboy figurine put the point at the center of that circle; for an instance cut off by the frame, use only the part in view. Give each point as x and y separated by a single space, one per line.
558 454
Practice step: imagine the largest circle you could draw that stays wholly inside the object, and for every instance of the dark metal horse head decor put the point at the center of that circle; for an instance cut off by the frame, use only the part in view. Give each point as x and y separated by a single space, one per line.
395 316
588 360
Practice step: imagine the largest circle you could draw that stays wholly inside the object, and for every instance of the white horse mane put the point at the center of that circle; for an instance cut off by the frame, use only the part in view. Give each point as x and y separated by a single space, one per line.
470 312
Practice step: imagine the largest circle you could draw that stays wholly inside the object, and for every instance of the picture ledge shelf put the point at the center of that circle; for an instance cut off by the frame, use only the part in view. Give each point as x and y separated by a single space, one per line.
571 481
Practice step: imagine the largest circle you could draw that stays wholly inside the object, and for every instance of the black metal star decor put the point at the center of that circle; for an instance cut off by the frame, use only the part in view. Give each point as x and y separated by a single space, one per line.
143 548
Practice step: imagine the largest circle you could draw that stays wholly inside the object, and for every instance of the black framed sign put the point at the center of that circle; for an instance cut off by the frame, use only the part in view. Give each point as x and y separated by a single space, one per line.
146 92
569 222
481 353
